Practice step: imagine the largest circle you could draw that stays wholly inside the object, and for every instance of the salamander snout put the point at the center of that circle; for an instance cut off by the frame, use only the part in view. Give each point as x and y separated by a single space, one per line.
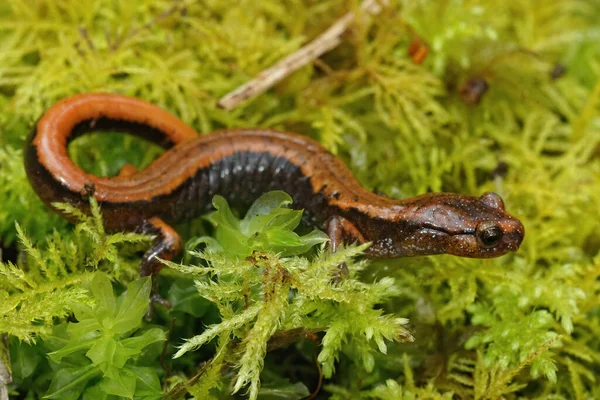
513 232
500 235
504 232
496 231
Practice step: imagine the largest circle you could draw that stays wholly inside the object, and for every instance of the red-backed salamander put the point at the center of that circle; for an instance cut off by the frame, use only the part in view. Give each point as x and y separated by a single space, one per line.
242 164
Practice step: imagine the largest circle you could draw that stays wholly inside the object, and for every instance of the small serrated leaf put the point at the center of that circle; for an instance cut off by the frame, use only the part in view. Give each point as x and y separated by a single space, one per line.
186 299
138 342
147 383
132 305
102 352
223 215
268 202
284 391
102 290
68 383
122 385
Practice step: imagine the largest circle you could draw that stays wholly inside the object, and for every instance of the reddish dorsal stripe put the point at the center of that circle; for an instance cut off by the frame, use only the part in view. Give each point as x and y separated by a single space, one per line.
56 125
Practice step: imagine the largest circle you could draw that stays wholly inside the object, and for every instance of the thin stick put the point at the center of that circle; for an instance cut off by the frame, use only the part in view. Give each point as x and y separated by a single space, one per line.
311 51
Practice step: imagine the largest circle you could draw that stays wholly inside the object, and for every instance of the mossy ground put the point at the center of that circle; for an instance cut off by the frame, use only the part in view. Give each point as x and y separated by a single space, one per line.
524 325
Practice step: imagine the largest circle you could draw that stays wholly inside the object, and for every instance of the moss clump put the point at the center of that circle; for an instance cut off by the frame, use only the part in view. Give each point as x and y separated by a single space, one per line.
524 325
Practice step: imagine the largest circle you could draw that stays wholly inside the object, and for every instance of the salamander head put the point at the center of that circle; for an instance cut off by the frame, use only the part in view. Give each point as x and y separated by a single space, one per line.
460 225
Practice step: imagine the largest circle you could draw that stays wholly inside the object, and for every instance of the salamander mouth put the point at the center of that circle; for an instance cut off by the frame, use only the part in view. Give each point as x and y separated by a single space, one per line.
444 231
463 243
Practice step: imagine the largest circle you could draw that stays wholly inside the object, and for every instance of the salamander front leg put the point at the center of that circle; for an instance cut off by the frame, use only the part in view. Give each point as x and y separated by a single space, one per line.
340 231
166 246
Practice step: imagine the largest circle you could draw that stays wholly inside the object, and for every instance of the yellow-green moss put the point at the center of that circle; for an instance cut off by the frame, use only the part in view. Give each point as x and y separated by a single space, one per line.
483 328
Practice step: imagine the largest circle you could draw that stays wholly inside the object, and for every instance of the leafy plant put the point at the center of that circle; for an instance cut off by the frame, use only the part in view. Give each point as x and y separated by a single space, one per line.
54 283
262 296
268 225
106 343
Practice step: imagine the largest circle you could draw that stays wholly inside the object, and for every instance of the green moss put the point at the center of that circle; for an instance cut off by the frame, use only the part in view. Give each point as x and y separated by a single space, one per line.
524 325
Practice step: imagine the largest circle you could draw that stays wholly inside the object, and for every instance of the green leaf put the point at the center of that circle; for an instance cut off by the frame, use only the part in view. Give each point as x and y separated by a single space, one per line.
147 384
283 391
86 328
102 352
282 238
261 222
305 243
233 241
266 203
212 245
137 343
102 291
95 393
123 384
223 216
186 299
68 383
24 358
85 312
265 212
132 305
75 344
288 220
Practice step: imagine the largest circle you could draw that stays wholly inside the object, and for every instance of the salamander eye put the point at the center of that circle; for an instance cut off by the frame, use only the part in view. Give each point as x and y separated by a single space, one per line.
489 234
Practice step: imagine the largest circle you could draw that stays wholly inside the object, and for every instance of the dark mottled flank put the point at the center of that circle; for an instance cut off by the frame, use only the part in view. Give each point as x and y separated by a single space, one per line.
241 178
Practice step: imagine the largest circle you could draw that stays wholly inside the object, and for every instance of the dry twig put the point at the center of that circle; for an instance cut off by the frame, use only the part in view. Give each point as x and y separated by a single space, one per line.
320 45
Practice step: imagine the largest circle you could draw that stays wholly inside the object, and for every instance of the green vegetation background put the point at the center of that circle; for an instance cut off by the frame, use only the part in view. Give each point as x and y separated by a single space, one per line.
526 324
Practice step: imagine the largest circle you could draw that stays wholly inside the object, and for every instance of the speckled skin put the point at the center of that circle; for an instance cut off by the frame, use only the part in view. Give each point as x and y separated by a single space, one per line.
241 165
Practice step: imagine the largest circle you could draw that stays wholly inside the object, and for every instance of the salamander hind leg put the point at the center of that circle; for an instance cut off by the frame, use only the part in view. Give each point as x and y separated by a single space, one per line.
127 170
166 246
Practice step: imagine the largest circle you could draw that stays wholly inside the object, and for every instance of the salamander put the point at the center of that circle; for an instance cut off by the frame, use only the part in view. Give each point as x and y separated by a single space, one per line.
242 164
